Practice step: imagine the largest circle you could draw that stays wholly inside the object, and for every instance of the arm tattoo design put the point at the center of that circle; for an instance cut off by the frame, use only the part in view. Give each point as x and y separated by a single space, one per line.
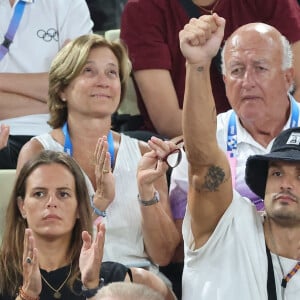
213 179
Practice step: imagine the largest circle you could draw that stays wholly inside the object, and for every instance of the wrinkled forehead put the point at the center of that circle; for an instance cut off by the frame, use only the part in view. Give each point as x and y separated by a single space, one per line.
254 38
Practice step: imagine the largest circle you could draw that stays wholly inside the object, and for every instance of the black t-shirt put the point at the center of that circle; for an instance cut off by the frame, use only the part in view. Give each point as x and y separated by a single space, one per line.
110 272
106 14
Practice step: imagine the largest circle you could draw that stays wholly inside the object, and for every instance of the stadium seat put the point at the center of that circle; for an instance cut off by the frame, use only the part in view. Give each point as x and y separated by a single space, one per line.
7 179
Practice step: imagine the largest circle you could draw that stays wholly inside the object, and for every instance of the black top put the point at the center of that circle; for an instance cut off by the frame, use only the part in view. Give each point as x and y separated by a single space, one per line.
110 271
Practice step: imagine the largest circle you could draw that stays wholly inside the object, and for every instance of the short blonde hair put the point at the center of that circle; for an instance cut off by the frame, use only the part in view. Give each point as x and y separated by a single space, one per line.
68 64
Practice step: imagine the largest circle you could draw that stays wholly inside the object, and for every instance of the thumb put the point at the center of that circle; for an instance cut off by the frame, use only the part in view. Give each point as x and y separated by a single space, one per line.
220 22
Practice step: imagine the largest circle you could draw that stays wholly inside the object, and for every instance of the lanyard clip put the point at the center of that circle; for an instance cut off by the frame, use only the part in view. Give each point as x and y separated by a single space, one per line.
6 43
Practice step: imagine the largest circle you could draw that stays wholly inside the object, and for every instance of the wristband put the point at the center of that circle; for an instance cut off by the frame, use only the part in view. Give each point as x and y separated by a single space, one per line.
96 210
152 201
89 293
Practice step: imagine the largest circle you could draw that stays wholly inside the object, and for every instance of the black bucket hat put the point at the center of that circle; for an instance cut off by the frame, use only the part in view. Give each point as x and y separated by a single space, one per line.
285 147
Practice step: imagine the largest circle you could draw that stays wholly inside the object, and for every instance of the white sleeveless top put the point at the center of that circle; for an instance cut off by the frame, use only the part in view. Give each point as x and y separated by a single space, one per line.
124 239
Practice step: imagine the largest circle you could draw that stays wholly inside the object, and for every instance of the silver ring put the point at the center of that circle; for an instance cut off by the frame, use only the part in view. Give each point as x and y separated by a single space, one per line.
28 260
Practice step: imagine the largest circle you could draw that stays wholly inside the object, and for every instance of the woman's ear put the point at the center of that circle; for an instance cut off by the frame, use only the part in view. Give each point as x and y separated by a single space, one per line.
62 96
20 202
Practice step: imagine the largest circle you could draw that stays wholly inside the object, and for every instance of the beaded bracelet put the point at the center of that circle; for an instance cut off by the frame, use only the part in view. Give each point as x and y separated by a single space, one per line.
24 296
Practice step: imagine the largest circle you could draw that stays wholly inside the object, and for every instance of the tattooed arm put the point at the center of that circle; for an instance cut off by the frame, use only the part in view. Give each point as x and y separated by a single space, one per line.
210 191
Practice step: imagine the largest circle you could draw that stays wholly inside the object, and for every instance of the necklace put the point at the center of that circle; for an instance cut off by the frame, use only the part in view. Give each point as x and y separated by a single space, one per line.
210 11
57 293
288 277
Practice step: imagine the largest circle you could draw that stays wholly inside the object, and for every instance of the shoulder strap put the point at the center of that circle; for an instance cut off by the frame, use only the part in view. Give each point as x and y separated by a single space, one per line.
12 28
192 9
271 278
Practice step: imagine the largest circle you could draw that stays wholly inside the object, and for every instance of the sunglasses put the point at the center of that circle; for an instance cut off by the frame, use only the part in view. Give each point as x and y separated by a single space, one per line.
173 159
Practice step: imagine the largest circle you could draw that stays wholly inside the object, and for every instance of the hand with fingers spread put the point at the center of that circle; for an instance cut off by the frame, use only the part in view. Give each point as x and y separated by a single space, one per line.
32 281
91 257
105 182
152 165
201 38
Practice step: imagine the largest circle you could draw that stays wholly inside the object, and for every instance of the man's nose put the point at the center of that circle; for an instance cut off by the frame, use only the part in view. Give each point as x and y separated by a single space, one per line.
286 183
248 79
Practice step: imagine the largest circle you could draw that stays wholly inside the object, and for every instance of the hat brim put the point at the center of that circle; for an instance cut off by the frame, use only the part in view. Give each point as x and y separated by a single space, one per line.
257 168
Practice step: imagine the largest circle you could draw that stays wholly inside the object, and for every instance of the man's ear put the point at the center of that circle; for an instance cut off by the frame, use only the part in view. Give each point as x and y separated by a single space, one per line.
20 202
289 78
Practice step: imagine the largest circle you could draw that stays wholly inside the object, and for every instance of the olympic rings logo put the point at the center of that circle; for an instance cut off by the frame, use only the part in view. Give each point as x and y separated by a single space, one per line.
48 35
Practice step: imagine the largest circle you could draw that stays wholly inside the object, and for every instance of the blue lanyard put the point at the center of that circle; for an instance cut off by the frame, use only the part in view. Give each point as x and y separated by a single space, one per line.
232 135
232 130
68 146
12 28
295 113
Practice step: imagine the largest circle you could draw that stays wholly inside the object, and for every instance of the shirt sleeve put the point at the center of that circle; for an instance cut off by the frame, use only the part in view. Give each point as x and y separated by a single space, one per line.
143 30
283 15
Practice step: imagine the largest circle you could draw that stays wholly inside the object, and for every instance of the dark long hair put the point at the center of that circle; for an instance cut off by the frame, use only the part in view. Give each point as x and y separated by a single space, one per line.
11 251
